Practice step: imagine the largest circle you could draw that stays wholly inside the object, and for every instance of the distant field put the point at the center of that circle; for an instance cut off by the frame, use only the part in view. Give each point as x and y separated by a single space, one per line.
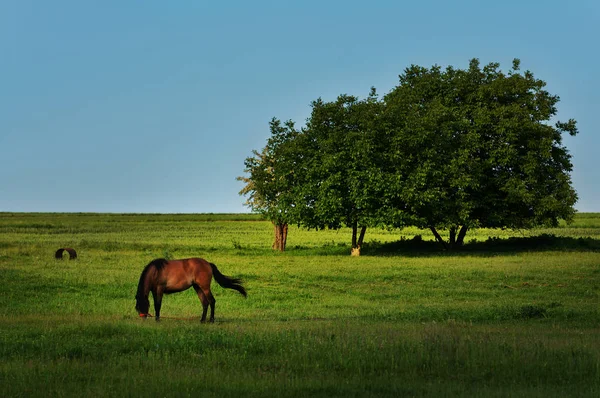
516 313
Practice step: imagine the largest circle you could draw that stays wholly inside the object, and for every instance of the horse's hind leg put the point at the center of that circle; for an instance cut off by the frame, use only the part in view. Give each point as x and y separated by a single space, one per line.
212 302
204 300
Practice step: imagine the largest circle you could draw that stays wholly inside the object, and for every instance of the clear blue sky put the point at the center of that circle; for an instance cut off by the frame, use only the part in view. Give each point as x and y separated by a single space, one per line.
152 106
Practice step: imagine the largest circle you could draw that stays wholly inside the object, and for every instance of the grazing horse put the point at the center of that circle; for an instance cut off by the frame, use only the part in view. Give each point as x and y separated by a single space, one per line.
171 276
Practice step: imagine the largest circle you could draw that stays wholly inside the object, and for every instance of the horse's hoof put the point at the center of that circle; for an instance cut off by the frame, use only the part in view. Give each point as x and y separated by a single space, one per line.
212 320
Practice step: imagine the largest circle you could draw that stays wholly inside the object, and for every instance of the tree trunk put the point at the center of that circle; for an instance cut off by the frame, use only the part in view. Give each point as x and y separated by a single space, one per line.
357 240
361 238
461 236
284 232
439 238
281 230
455 240
452 236
277 237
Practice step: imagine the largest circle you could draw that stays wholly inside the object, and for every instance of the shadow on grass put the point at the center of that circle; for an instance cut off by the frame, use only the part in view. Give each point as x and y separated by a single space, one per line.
545 242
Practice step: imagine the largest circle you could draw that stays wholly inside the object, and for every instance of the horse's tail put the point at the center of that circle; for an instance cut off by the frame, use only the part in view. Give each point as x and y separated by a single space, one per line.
227 282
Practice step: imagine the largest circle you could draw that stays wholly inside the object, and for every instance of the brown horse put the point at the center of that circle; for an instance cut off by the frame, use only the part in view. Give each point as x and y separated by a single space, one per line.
171 276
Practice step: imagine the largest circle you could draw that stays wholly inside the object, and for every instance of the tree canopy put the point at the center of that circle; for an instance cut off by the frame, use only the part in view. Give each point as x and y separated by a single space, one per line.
475 148
270 179
446 149
339 166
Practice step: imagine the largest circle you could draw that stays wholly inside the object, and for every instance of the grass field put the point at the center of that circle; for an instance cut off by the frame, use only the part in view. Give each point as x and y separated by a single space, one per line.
516 313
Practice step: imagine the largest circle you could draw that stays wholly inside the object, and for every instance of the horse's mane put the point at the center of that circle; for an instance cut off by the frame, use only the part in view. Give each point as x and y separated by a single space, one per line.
157 264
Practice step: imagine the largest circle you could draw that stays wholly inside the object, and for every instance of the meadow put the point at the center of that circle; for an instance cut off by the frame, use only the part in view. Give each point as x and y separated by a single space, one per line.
515 313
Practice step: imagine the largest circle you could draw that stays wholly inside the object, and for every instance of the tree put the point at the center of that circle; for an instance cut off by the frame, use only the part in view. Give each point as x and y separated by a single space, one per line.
446 149
270 179
474 148
339 170
323 176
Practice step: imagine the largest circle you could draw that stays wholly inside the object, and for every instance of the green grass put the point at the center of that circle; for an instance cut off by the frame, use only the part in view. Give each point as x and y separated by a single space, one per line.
516 313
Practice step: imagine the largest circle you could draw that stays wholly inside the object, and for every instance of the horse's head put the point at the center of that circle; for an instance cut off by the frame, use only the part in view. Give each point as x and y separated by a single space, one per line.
142 305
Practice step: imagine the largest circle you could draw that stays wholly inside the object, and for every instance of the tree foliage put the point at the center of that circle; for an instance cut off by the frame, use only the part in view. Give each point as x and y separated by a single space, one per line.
475 148
269 179
446 149
339 166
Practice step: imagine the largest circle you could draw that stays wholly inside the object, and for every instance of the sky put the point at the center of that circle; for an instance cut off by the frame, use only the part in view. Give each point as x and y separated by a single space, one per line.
152 106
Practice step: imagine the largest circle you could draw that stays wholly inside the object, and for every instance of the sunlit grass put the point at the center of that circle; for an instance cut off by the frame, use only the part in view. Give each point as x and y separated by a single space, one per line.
517 315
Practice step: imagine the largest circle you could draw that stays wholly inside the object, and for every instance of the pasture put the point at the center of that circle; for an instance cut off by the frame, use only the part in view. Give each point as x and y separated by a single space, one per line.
516 313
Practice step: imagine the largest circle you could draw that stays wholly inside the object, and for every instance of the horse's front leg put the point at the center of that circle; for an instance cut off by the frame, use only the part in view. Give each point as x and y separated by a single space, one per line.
157 303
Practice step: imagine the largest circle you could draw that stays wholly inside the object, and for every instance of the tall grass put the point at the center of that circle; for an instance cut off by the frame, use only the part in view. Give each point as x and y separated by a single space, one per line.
514 314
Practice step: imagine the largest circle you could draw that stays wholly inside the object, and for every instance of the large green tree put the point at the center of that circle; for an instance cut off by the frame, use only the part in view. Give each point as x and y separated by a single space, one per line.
476 148
270 177
447 149
340 167
327 175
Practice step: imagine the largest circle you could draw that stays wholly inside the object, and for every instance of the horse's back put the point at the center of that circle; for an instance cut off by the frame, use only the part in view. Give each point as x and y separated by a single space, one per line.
181 274
192 265
200 268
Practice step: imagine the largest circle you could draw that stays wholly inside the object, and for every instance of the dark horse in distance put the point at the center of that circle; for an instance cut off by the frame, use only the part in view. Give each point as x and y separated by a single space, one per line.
171 276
